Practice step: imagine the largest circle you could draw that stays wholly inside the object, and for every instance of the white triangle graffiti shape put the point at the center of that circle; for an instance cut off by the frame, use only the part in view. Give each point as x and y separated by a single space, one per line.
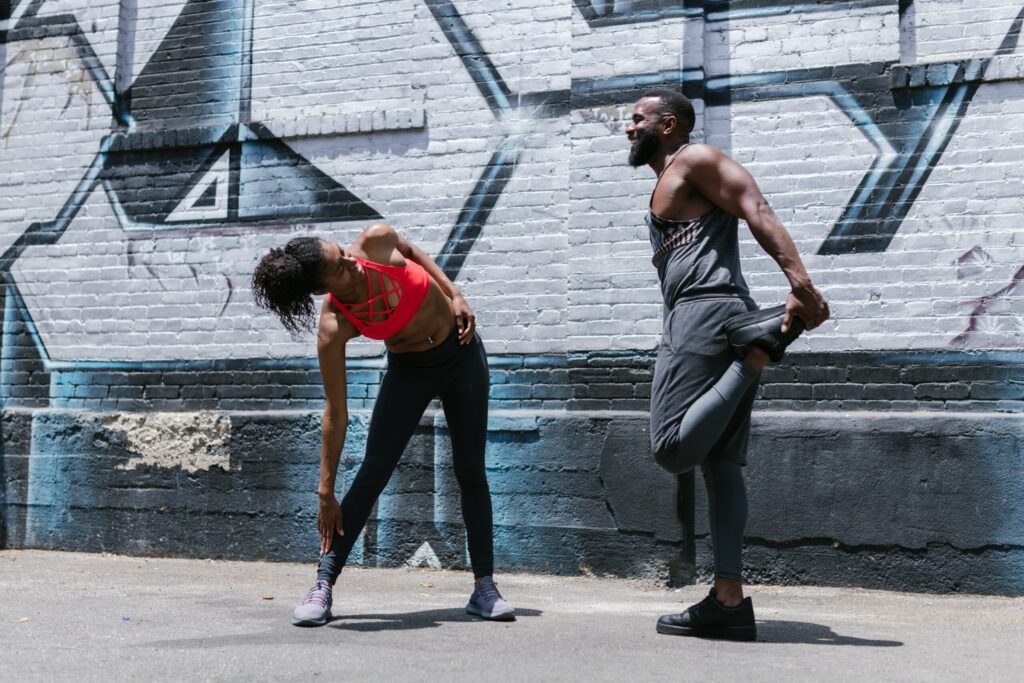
186 210
424 557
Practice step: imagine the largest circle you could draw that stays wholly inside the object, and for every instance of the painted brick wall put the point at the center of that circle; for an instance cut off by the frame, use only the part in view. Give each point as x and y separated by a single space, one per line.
151 152
949 29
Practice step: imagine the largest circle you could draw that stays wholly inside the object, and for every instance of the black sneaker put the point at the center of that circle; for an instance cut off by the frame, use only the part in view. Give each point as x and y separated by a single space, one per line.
711 619
762 329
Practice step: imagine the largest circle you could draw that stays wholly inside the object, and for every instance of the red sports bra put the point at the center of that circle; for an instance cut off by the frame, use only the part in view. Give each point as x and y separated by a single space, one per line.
409 283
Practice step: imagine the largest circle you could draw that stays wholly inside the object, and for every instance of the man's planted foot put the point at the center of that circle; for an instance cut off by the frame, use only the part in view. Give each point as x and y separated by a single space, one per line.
487 602
315 609
711 619
763 329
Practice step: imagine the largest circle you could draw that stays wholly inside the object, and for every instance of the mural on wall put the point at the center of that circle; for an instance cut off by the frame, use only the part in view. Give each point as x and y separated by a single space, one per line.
246 176
184 162
184 154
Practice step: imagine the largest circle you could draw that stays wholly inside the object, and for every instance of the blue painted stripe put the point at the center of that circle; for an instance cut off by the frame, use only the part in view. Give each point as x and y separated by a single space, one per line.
513 361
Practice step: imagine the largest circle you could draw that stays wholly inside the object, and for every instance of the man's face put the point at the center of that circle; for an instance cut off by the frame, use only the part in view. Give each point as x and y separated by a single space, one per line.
644 132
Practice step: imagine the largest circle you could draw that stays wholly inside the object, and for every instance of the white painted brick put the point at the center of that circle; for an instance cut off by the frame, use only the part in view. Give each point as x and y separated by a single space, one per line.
374 95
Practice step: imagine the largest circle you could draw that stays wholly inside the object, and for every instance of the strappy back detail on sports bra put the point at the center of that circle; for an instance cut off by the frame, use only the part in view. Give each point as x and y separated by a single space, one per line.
408 284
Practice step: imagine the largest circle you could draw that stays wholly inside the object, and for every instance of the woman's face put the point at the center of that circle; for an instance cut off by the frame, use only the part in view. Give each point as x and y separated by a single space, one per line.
341 271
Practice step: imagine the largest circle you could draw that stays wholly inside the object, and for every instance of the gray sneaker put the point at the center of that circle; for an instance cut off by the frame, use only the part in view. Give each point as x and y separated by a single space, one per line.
315 609
487 602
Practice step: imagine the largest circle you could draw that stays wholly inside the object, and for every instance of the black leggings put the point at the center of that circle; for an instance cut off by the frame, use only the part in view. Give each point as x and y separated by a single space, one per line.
458 375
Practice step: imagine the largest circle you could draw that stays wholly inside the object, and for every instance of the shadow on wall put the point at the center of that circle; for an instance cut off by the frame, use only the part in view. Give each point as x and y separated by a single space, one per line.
904 501
15 431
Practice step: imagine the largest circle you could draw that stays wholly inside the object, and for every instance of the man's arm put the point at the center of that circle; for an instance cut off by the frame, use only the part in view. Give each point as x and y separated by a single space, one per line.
330 347
727 184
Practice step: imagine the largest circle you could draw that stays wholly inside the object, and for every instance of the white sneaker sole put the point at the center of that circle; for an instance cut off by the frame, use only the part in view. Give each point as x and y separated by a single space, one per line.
311 622
477 612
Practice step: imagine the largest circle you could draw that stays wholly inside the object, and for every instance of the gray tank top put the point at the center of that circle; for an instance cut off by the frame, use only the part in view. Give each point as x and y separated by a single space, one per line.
697 258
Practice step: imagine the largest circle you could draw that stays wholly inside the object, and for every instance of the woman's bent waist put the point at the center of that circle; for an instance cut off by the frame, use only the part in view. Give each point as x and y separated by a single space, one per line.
441 352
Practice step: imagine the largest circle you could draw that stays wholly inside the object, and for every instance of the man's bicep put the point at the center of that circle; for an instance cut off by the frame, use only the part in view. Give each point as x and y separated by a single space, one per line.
727 184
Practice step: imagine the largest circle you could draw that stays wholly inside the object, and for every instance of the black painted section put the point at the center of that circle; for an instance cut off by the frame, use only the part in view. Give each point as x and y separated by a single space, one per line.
772 7
477 209
194 75
268 182
600 13
5 13
24 379
599 92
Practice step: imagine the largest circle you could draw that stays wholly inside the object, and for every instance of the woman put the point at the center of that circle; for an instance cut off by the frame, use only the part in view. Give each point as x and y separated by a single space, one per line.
383 287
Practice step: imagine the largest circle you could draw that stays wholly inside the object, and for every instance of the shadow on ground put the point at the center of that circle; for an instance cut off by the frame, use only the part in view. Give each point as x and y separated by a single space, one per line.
806 633
403 621
398 621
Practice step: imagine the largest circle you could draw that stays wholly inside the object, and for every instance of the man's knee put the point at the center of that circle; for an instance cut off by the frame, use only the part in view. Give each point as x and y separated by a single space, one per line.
675 450
672 459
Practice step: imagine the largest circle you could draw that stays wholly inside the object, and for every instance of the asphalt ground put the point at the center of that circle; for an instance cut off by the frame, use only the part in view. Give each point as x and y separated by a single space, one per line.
81 617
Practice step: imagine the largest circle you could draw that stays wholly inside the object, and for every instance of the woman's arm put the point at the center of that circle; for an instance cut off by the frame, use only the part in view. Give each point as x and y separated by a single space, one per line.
330 347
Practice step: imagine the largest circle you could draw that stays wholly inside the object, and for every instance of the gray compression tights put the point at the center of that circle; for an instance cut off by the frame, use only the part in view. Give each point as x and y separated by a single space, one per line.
705 420
727 514
701 427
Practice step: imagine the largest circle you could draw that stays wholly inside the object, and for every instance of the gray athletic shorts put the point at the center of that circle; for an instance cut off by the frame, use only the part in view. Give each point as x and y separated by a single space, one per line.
692 356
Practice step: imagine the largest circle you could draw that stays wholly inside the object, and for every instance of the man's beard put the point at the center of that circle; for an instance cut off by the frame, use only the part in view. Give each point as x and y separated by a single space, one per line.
644 149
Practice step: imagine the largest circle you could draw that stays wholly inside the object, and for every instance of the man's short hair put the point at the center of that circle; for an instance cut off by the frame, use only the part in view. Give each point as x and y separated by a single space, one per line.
677 104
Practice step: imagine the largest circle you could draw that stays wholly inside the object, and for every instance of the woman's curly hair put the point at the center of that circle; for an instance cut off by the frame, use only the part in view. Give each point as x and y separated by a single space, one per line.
285 280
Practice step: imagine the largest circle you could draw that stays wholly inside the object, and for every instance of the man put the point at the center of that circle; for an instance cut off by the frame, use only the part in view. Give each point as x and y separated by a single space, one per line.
715 342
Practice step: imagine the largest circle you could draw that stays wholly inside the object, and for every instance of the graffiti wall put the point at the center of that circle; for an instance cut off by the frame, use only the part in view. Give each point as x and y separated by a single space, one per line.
151 152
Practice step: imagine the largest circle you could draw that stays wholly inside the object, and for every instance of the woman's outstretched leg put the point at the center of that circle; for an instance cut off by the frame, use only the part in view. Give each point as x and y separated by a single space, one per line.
399 407
465 410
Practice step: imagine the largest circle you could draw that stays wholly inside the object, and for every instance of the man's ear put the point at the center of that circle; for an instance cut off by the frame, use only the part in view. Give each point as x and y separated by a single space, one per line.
669 123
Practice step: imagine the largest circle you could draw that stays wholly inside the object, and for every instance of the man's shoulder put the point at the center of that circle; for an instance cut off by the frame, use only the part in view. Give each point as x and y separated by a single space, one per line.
699 160
700 153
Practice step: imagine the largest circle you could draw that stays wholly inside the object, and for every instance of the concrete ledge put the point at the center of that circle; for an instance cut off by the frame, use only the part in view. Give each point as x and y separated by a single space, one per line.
919 501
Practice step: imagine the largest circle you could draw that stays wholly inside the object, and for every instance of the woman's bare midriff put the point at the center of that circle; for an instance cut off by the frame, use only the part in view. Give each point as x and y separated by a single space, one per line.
430 326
